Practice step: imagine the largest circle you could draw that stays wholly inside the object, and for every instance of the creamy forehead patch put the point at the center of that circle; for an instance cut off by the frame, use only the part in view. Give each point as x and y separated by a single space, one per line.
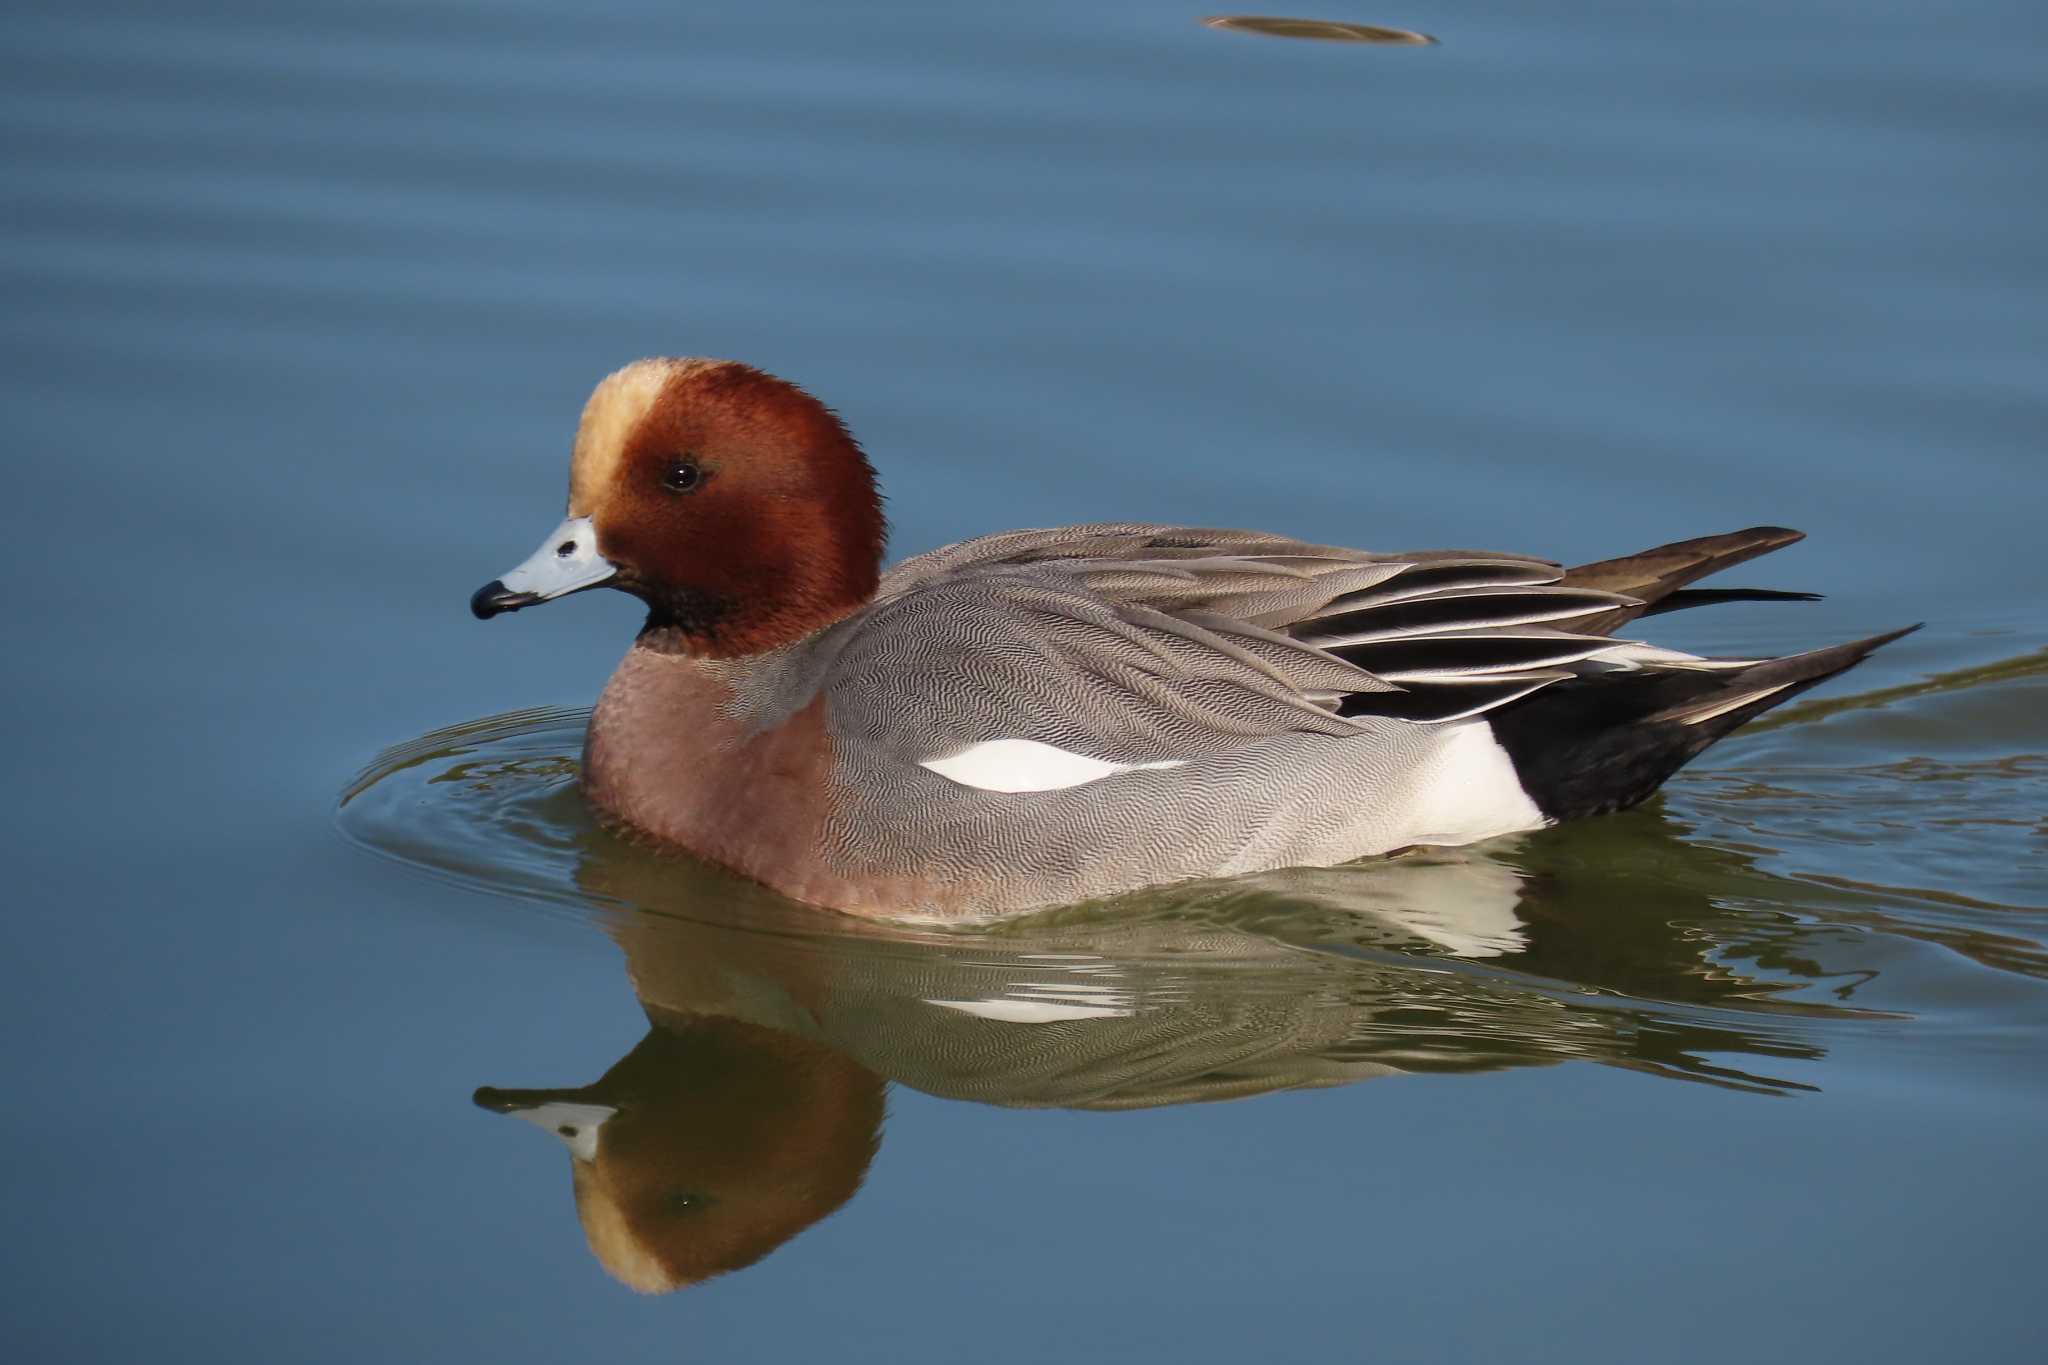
616 408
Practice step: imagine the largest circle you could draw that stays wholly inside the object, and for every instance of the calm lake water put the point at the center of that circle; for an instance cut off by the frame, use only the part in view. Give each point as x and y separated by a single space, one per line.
302 303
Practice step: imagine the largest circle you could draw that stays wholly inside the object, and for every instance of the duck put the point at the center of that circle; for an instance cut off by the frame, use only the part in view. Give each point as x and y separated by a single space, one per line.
1039 718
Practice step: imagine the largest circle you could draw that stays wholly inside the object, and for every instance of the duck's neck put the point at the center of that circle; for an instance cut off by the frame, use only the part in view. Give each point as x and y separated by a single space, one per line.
750 601
707 627
716 755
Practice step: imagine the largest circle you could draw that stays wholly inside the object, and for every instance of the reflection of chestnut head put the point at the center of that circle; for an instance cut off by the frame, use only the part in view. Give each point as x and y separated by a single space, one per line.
707 1146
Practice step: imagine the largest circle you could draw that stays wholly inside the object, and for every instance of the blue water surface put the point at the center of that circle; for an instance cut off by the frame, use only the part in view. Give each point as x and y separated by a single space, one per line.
302 303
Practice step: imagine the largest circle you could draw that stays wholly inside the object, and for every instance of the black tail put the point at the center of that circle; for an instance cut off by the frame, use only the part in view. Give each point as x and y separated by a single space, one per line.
1605 742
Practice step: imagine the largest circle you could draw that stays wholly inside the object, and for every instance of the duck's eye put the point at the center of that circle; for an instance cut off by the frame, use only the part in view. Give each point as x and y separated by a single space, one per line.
682 476
687 1201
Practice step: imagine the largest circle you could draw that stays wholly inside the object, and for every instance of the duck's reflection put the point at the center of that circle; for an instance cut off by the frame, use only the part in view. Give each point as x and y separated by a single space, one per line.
708 1145
754 1105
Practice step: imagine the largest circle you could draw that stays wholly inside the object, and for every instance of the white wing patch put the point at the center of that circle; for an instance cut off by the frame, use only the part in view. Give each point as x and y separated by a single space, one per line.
1025 765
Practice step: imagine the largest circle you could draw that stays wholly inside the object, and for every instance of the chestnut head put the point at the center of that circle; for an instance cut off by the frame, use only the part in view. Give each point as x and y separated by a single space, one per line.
737 506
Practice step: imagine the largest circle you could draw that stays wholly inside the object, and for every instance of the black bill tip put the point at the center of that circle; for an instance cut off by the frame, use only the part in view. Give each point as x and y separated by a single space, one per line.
494 597
513 1101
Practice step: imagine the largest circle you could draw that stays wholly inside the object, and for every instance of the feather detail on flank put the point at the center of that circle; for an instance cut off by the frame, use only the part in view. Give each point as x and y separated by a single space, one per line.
1025 765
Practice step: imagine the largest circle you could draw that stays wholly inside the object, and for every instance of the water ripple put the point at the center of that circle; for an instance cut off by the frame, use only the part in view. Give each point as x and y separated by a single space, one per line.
1692 942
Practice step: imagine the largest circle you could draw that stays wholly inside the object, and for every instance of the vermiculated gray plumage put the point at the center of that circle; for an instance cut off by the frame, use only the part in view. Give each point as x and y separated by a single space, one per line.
1309 699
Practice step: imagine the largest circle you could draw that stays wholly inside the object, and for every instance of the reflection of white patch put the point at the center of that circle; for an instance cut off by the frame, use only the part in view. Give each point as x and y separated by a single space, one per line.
1035 1002
1025 765
1468 909
575 1124
1460 899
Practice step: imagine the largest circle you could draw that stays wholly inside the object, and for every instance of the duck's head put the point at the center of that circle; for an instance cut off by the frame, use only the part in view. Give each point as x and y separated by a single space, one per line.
737 506
707 1146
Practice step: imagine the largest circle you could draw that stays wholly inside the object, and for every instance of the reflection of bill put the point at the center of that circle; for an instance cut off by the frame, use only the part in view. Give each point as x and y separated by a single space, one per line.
754 1105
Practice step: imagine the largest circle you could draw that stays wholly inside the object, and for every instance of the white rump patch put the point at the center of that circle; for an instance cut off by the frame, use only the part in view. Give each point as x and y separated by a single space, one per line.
1025 765
1468 790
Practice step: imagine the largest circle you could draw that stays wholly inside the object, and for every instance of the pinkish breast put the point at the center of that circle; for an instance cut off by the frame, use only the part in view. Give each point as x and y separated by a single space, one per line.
669 755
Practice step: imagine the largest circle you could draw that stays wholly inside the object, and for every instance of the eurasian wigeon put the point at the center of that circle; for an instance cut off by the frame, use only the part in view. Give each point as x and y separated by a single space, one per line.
1041 717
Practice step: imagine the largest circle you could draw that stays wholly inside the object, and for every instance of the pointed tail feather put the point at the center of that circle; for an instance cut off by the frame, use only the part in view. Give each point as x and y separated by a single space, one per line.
1605 742
1656 576
1707 597
1756 690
